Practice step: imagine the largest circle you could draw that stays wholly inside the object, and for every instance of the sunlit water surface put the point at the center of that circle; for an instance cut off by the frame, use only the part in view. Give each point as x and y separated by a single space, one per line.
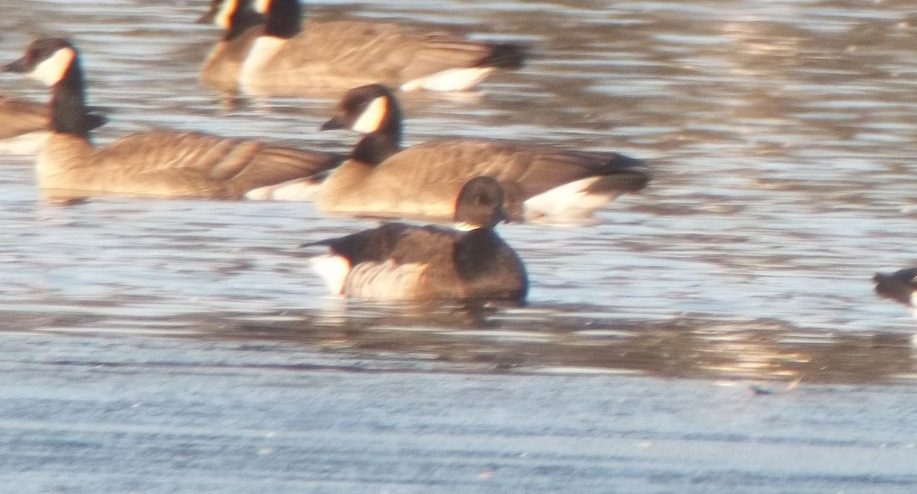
782 137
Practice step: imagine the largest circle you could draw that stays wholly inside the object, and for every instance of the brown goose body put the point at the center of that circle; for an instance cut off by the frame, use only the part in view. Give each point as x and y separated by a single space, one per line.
539 182
292 57
169 164
23 125
424 180
163 163
346 54
18 117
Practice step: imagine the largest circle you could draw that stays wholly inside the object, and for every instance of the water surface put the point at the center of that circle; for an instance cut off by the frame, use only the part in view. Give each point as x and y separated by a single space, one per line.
781 135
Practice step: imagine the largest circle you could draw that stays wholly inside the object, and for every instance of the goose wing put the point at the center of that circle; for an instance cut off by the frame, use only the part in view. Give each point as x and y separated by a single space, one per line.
374 51
523 170
397 242
241 163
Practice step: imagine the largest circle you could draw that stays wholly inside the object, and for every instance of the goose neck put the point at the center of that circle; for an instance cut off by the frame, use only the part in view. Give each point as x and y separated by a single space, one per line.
242 21
374 148
284 19
68 107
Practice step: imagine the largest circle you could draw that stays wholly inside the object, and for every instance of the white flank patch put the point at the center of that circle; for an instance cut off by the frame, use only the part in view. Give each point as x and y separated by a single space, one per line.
568 202
385 280
294 190
914 302
333 270
263 49
449 80
52 70
262 6
26 144
465 227
227 9
372 116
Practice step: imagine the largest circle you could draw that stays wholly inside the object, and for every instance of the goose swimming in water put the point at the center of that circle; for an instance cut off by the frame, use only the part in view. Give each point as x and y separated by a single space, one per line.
541 183
397 261
160 163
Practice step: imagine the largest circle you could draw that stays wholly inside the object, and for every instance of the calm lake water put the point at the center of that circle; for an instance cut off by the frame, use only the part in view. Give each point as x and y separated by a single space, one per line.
782 137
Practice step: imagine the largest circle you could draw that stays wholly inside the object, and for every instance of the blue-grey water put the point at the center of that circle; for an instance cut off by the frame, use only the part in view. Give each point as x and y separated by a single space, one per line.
717 332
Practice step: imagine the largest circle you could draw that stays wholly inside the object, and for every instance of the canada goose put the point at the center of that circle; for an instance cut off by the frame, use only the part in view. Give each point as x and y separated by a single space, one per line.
159 163
290 57
398 261
241 25
540 183
900 286
24 125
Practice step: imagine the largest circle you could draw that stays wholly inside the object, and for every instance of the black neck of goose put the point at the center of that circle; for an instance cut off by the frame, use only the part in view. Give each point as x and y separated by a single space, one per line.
68 104
284 19
375 148
243 19
476 251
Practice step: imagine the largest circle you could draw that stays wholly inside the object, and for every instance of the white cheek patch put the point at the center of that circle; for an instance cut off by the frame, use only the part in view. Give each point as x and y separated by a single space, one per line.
372 116
52 70
261 6
222 19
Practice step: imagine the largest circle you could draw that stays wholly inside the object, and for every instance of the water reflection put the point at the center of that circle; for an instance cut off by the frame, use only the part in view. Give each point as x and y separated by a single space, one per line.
544 339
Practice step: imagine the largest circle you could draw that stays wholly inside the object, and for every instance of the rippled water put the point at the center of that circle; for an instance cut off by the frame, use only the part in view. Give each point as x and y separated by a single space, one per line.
781 134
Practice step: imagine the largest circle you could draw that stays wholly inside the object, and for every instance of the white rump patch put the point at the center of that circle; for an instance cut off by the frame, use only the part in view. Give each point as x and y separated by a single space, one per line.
52 70
372 116
449 80
24 144
263 49
222 19
568 202
333 270
294 190
261 6
384 280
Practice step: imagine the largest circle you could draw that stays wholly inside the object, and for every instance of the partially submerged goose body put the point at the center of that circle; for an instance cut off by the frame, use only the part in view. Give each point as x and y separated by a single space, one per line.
380 178
285 56
397 261
162 163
